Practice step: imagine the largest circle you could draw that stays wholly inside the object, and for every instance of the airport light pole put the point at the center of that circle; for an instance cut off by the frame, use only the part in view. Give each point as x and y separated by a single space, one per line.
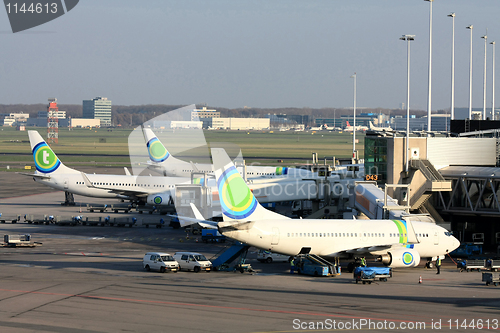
470 73
354 120
429 93
408 39
452 107
485 37
493 84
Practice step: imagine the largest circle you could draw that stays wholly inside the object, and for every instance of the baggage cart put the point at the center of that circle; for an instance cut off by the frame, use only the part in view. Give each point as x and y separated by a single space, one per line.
491 278
471 264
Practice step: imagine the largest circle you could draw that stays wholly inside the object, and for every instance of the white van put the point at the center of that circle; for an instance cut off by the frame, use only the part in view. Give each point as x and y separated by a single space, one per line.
158 261
269 257
193 261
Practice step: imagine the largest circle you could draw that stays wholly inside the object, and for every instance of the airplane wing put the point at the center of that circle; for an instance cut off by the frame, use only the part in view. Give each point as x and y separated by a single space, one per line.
373 250
185 221
411 238
36 175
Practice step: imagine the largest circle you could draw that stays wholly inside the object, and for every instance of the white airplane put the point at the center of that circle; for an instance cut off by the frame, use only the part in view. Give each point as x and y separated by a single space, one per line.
156 191
350 128
174 167
52 172
380 129
396 243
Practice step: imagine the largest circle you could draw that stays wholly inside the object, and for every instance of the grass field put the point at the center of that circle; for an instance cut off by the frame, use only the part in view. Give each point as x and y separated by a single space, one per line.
110 147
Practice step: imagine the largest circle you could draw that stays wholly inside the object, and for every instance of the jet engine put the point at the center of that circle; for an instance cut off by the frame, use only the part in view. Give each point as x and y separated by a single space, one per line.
159 199
400 257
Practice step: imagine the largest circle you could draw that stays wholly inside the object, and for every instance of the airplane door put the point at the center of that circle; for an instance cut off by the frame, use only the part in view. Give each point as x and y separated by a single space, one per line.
436 238
276 236
66 183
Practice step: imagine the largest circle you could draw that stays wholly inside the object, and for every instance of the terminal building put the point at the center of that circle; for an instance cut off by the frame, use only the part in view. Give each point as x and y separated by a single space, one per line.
98 108
456 180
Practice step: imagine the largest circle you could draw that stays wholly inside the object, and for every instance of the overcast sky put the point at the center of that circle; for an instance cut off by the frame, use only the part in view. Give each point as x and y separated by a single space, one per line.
257 53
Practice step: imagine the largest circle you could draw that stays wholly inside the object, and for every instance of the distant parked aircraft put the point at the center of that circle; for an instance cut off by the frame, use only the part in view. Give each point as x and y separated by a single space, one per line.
350 128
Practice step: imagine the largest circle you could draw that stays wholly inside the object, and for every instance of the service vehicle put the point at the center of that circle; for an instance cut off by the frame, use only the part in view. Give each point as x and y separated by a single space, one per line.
269 257
192 261
158 261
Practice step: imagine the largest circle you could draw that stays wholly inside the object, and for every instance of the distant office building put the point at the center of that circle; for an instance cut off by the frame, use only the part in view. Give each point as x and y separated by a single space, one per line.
98 108
14 119
240 123
477 114
186 124
198 114
80 122
439 123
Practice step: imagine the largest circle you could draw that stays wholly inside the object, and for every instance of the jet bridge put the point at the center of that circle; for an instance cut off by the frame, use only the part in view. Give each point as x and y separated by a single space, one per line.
376 204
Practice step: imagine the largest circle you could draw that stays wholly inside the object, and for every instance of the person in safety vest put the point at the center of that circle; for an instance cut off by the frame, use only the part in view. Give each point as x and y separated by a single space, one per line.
292 266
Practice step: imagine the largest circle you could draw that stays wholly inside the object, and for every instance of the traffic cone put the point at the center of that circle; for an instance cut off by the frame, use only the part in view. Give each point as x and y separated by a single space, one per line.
420 279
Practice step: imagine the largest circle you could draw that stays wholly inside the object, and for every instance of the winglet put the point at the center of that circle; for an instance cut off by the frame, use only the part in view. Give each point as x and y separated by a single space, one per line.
86 180
196 212
126 171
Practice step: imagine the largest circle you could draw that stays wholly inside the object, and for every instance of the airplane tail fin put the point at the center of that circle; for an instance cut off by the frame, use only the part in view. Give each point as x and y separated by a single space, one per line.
46 161
236 199
371 125
347 123
157 151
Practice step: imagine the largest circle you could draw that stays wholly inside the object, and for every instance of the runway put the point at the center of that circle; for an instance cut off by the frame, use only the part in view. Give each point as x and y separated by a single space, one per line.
90 279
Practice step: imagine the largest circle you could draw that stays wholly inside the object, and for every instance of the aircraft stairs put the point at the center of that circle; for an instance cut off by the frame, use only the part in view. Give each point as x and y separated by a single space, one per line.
222 260
424 186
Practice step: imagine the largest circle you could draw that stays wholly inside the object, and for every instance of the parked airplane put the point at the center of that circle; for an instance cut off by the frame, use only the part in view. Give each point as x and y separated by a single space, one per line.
156 191
325 127
171 166
396 243
52 172
350 128
380 129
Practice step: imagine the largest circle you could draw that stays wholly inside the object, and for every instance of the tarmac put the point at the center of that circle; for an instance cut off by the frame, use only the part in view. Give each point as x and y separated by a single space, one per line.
90 279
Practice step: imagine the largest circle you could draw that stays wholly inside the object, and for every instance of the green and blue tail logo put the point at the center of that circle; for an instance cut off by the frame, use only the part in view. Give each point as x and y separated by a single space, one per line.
237 201
200 181
403 237
281 171
45 159
157 152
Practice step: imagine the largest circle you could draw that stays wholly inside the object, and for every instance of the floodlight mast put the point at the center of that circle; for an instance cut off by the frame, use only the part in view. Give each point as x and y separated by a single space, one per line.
354 120
493 84
408 39
452 107
470 27
485 37
429 93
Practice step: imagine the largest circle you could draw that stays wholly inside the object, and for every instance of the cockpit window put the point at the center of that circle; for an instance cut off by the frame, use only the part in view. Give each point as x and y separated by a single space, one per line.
447 233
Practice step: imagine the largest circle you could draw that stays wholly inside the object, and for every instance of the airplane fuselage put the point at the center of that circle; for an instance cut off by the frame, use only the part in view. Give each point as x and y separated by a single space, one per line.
329 238
75 183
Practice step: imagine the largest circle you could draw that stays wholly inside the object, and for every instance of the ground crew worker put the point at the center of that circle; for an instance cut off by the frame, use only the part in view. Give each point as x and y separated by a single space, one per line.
292 266
363 262
438 265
